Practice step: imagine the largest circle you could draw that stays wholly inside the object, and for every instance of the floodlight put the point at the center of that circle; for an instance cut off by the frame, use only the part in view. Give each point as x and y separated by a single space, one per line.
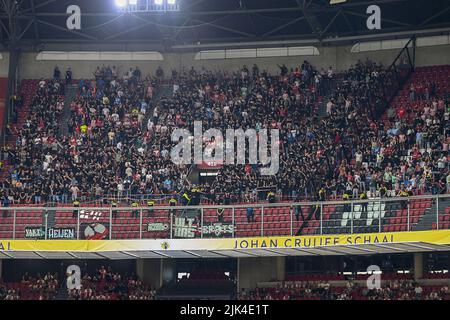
171 2
121 3
133 2
159 2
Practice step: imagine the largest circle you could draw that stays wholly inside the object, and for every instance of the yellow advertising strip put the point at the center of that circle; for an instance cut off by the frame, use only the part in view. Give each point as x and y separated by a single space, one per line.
441 237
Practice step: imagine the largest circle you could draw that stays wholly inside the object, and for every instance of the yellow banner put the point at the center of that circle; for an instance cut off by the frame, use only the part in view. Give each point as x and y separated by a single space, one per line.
431 237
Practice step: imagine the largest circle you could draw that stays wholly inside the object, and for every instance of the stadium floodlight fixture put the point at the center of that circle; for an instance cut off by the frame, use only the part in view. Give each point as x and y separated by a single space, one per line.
133 2
159 2
121 3
171 2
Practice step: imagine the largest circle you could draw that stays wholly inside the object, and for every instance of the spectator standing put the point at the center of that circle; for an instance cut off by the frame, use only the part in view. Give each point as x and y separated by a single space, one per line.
250 215
68 76
56 74
5 203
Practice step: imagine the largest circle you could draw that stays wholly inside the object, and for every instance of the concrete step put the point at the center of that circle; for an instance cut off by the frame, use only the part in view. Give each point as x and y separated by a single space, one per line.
322 109
62 293
161 92
427 220
70 94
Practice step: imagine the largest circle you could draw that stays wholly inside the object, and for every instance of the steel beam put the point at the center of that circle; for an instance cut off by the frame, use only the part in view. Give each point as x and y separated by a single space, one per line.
434 16
284 26
224 28
66 30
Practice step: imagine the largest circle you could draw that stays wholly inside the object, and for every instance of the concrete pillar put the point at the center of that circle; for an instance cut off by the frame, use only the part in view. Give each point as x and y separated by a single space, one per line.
168 271
281 268
140 268
418 266
261 269
150 271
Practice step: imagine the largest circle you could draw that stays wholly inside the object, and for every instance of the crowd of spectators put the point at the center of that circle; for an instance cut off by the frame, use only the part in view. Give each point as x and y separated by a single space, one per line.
106 151
108 285
407 152
8 294
111 147
32 177
323 290
351 150
39 287
248 100
119 138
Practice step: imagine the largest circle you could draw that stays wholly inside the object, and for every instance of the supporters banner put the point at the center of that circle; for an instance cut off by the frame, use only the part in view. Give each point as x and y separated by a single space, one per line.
34 233
94 231
217 229
441 237
61 233
190 228
186 228
158 226
38 232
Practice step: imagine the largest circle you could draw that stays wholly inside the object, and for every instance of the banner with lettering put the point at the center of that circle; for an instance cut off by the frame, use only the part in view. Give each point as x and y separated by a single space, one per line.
38 232
441 237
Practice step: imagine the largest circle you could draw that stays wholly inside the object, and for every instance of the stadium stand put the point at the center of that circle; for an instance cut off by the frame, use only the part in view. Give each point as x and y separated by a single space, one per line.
106 284
40 287
93 205
322 290
113 110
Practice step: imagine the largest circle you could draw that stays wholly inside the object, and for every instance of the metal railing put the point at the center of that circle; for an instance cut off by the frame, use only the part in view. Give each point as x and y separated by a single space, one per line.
245 220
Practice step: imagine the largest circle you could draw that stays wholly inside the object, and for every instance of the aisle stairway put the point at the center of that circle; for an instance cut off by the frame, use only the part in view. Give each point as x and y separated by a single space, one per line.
70 94
427 220
62 292
163 91
28 89
322 109
443 209
444 218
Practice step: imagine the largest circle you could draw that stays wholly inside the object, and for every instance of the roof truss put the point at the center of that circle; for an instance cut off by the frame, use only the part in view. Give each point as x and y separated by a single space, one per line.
43 21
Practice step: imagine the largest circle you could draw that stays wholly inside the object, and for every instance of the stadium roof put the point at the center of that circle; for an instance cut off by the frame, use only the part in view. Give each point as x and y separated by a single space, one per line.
42 22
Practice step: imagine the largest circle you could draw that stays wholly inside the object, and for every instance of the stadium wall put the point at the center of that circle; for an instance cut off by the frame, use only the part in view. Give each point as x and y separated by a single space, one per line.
168 271
150 271
418 265
269 269
429 56
339 58
4 64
